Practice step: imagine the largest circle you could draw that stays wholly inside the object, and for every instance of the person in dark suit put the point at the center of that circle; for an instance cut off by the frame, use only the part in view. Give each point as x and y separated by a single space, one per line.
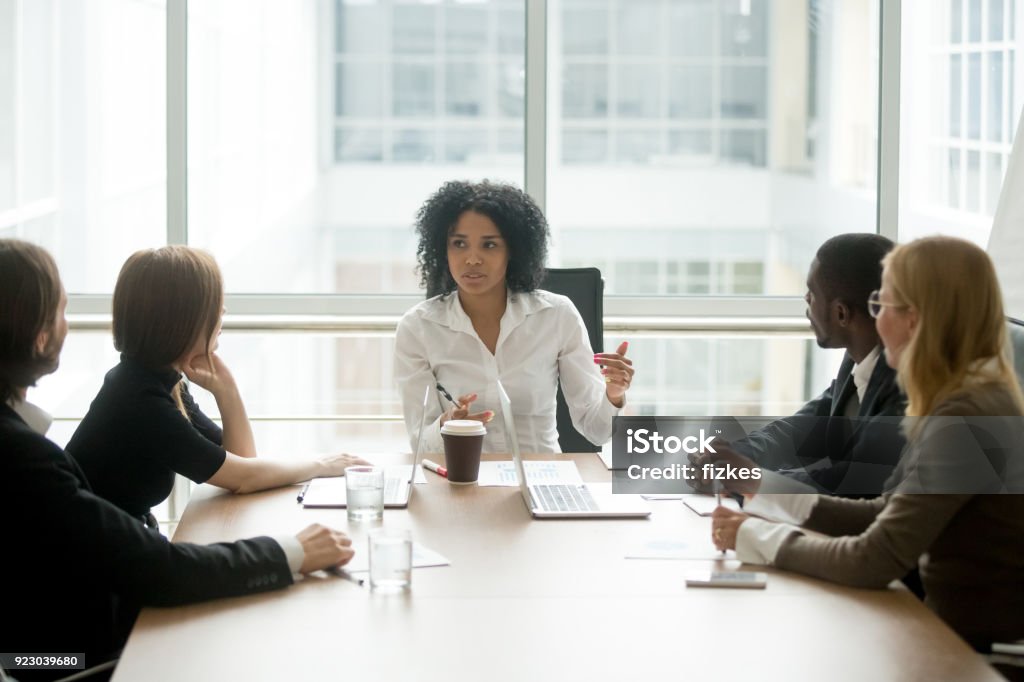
847 439
75 568
953 506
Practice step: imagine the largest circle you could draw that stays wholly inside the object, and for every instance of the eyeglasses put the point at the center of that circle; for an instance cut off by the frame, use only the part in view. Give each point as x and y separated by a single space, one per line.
875 304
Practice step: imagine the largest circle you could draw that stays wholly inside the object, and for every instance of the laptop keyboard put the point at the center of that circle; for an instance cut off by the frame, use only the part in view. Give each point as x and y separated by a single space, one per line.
564 498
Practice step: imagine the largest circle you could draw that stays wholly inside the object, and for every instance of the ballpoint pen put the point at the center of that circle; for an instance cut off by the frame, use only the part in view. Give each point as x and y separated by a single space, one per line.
342 573
447 395
302 493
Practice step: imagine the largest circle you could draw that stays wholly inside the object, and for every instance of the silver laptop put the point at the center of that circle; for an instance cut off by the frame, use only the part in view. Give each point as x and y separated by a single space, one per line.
398 483
575 501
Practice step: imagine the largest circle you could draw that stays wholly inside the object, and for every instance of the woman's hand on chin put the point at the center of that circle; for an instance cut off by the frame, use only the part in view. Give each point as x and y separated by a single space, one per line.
213 376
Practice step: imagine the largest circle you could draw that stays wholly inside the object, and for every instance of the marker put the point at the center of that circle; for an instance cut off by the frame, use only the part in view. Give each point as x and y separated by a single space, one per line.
342 573
436 468
447 395
302 493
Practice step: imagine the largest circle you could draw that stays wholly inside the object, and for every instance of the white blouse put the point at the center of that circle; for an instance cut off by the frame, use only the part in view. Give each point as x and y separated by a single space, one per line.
542 340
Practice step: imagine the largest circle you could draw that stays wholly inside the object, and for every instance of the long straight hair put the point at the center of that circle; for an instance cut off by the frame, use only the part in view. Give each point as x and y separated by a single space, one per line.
166 301
961 340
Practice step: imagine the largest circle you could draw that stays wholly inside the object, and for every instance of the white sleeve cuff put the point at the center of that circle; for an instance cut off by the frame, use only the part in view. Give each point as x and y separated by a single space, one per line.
772 482
786 508
608 409
293 551
758 541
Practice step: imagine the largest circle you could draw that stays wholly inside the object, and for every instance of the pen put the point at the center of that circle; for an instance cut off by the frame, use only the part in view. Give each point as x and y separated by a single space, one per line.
435 467
718 498
447 395
342 573
302 493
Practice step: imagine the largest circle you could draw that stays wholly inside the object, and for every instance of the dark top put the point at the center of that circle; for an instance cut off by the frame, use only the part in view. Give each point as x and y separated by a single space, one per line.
823 448
134 439
76 569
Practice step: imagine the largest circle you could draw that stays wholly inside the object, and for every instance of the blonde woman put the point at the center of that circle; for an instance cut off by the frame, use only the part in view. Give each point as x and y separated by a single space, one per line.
940 316
144 427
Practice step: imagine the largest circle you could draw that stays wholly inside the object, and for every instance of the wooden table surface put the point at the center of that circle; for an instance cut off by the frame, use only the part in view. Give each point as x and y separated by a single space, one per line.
527 599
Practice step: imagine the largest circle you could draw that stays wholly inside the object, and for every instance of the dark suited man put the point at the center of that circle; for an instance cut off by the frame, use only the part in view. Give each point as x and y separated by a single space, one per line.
75 568
847 439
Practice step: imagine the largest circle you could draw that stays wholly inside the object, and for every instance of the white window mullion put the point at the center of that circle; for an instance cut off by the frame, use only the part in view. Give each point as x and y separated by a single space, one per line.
887 218
536 101
177 120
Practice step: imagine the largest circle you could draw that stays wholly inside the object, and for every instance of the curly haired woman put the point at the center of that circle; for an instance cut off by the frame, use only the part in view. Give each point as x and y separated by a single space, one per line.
482 249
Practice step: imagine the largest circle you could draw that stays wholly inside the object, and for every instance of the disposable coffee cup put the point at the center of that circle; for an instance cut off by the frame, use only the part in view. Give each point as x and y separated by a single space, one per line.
463 440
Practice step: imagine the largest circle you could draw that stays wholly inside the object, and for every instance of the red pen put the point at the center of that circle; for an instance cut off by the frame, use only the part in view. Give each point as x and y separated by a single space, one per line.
435 467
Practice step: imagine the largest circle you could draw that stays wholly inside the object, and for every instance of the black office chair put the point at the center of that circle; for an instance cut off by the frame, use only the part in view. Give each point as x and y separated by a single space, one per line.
585 288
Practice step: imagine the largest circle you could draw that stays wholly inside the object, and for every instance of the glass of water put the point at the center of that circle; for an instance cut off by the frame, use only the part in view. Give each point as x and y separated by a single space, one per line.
364 491
390 559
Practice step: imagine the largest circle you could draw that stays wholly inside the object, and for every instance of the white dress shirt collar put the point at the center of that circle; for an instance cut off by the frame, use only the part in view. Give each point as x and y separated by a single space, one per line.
36 417
863 370
452 315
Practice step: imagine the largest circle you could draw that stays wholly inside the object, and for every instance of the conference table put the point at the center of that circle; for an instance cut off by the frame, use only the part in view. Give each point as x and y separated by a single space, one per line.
526 599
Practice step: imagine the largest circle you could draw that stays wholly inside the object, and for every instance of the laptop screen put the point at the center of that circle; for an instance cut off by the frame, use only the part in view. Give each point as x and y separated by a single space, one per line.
513 442
419 436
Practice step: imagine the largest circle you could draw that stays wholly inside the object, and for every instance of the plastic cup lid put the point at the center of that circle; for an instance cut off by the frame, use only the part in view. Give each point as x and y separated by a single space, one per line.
463 427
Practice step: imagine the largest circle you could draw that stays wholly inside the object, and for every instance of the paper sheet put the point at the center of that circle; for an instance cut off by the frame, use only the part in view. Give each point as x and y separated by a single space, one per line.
677 549
422 557
703 505
330 492
503 473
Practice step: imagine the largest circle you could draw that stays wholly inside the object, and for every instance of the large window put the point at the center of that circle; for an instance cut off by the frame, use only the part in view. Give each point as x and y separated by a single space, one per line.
697 151
709 146
962 96
316 129
82 131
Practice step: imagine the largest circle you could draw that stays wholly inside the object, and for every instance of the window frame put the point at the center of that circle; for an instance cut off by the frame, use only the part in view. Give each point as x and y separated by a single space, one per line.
635 314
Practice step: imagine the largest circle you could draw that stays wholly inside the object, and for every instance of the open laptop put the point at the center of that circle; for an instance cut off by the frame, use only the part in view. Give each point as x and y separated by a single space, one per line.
574 501
398 484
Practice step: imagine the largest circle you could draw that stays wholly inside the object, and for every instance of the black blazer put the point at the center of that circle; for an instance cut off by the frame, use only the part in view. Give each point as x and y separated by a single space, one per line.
820 446
76 569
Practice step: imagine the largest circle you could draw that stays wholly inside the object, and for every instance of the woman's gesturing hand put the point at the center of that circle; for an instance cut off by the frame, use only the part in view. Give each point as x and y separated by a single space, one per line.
618 373
461 411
